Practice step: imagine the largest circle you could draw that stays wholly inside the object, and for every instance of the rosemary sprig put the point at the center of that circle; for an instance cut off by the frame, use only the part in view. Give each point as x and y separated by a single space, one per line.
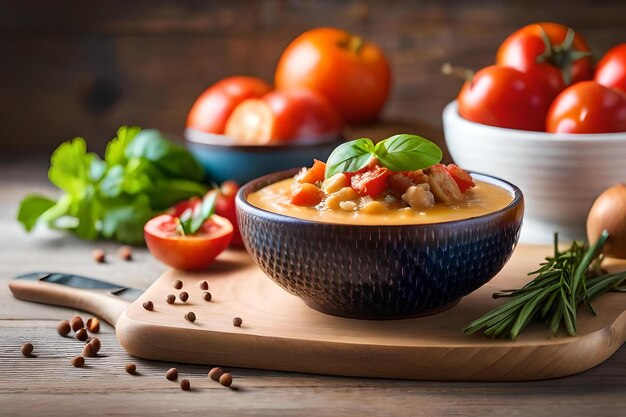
562 283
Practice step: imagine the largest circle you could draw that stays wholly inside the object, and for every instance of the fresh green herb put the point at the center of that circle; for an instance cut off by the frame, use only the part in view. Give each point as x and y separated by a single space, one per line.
141 175
193 218
562 283
397 153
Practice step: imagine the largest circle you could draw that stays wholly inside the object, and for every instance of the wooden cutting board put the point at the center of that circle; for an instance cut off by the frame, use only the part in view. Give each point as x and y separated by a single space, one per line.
280 332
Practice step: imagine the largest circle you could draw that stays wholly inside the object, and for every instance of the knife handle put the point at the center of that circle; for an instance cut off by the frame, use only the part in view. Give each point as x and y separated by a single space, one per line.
96 302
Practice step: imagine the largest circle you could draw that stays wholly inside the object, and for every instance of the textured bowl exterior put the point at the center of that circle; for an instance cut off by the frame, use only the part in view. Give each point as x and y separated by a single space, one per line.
560 175
379 272
224 162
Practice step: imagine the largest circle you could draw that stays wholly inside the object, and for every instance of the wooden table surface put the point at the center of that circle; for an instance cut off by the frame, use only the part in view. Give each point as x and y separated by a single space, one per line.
48 385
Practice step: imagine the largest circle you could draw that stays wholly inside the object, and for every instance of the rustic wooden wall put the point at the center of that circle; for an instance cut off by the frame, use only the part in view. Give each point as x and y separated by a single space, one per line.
85 67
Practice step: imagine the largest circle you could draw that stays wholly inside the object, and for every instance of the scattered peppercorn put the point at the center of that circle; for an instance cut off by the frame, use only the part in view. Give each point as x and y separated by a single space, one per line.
216 373
95 345
93 325
81 334
237 322
171 374
64 328
125 253
27 349
88 350
171 298
178 284
183 296
77 323
204 285
226 379
131 368
99 256
78 361
191 316
207 296
185 385
148 305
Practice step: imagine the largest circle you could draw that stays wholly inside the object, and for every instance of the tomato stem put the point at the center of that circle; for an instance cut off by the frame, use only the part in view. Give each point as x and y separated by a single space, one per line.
465 74
355 44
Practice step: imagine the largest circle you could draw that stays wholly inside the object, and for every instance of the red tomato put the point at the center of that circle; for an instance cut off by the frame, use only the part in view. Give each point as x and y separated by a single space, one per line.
587 107
462 178
307 195
370 181
188 253
284 116
353 74
611 70
547 52
225 207
504 97
314 174
211 110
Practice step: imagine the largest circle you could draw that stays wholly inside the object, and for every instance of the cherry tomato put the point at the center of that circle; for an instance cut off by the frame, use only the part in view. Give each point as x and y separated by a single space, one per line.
353 74
587 107
504 97
611 70
370 181
211 110
225 207
552 53
188 253
284 116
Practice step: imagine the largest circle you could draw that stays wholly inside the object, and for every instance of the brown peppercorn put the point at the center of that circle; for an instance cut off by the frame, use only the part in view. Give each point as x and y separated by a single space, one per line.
191 316
216 373
64 328
148 305
88 350
131 368
27 349
171 298
125 253
95 345
204 285
207 296
183 296
226 379
98 256
171 374
93 325
81 335
77 323
237 322
185 385
178 284
78 361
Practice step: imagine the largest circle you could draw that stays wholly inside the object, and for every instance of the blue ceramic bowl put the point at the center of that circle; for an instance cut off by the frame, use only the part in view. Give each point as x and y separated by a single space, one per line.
379 272
223 160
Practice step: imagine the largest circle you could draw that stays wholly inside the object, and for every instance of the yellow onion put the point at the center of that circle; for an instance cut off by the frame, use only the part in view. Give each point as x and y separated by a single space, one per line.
609 213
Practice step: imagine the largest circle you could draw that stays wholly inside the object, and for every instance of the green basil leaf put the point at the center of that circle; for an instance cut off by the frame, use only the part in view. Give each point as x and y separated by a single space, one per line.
407 153
350 156
115 151
204 211
69 166
173 159
31 209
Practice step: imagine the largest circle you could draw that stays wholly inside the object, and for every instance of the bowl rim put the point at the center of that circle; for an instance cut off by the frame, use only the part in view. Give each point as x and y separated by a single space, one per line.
451 113
214 140
258 183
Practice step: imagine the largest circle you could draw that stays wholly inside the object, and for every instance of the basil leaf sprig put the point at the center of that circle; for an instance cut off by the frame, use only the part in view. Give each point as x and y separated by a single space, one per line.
192 219
562 283
398 153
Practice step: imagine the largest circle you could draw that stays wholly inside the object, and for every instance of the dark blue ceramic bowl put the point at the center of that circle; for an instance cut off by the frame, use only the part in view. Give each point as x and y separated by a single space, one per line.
379 272
223 160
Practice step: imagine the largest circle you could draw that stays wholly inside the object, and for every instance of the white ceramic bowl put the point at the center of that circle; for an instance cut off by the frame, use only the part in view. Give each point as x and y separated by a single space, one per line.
560 174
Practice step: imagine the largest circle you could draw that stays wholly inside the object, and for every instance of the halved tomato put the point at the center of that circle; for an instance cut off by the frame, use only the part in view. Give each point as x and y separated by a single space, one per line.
188 253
